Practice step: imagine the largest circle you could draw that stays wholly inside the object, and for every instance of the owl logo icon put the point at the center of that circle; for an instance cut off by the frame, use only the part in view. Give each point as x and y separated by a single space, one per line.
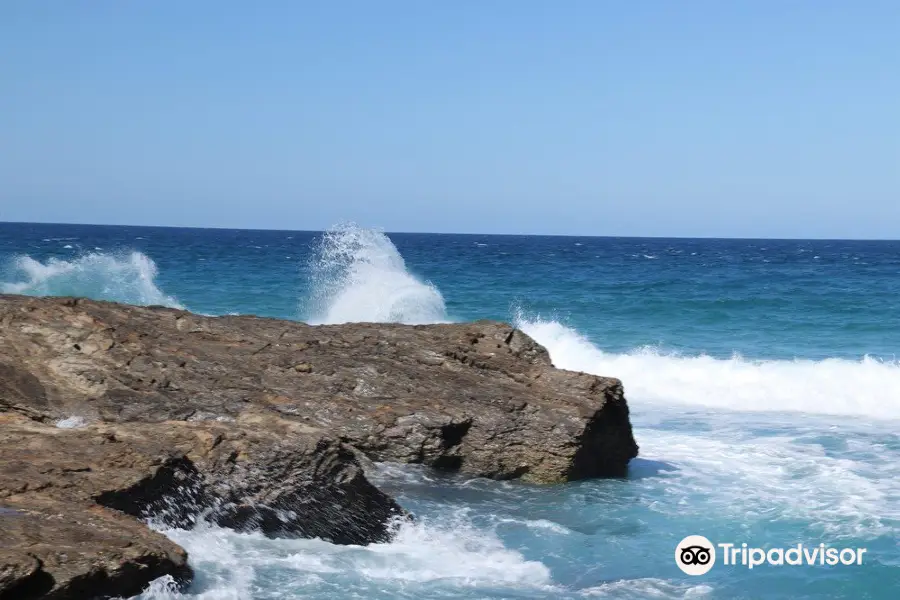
695 555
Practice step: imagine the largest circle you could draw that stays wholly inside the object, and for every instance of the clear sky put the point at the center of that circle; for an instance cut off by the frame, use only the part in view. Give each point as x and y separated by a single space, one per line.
757 118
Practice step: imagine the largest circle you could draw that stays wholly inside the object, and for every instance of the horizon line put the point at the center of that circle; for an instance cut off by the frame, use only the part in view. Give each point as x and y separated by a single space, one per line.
572 235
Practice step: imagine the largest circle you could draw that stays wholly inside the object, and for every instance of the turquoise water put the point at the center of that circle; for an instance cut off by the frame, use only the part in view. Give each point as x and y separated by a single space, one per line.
762 377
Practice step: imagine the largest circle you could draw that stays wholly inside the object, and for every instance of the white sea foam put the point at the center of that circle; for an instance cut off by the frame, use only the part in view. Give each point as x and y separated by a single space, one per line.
453 553
128 277
455 550
357 275
867 387
539 524
775 478
647 588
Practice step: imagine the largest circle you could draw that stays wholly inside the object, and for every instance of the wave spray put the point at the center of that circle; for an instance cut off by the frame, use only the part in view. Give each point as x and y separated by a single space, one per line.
128 277
357 275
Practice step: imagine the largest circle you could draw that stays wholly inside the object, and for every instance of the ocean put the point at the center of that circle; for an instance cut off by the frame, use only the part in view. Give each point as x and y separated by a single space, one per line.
762 377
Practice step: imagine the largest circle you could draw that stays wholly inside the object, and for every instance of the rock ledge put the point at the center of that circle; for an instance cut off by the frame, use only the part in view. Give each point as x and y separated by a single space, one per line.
258 424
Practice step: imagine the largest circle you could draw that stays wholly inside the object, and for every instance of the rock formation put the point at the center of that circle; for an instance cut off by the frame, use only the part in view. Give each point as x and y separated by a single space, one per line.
257 423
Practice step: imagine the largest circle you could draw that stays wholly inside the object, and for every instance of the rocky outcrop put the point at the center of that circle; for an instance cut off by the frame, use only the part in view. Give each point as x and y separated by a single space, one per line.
259 423
62 551
69 493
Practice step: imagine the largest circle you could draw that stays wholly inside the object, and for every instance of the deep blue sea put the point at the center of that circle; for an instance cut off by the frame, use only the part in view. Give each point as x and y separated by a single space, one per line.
762 377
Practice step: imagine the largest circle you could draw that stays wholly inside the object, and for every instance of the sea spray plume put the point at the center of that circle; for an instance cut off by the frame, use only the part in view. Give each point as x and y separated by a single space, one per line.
357 275
867 387
128 277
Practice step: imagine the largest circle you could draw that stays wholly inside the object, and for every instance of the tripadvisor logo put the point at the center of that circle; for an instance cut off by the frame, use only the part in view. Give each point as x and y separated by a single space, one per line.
696 555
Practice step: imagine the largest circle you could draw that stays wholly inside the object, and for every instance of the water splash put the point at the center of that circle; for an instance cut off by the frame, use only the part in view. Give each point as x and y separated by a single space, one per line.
451 552
357 275
128 277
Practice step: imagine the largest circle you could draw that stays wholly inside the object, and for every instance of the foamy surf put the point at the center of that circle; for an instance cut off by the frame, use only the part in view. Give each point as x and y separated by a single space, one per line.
357 275
449 553
866 388
812 476
128 277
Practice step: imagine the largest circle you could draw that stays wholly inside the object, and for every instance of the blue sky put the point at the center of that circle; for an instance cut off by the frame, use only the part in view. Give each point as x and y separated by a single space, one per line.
754 118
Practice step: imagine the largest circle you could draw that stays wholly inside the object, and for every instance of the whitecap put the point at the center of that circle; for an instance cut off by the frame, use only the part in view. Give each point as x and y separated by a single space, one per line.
867 387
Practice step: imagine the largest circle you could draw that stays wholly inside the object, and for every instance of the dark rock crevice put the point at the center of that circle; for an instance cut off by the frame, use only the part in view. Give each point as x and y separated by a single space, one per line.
605 447
23 578
175 495
452 434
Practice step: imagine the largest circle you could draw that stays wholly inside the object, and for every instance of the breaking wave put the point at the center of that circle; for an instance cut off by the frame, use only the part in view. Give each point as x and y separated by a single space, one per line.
357 275
128 277
868 387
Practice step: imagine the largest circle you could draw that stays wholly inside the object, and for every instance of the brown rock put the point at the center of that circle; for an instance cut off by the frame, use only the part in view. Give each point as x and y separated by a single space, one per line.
59 551
261 424
258 474
56 486
481 398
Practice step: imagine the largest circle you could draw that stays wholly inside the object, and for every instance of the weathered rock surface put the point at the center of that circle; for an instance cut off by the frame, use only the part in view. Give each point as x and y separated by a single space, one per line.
260 423
62 484
482 398
63 551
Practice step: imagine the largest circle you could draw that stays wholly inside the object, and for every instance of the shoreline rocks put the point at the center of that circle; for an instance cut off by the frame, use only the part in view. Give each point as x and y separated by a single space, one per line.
62 551
263 424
